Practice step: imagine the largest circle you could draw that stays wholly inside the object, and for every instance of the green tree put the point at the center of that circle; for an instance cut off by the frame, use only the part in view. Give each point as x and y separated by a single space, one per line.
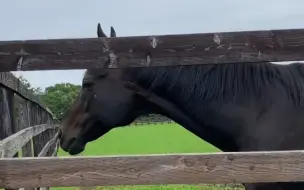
59 97
37 91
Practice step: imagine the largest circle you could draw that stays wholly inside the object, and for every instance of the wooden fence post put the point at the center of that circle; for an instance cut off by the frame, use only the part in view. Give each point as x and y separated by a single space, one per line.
52 133
41 139
37 120
23 121
7 114
48 134
7 125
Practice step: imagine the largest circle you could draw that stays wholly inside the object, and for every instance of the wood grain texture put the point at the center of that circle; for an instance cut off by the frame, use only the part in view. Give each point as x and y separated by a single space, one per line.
39 140
48 145
12 144
27 149
240 167
6 113
8 80
143 51
55 150
49 135
22 122
8 116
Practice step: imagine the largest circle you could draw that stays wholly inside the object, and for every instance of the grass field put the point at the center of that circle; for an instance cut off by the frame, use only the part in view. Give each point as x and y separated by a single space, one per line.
152 139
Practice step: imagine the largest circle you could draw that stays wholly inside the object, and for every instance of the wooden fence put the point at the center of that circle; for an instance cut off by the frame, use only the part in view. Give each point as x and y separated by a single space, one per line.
27 126
149 51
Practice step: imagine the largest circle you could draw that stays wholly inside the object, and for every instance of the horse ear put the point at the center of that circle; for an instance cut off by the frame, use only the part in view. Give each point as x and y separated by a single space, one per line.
100 32
113 33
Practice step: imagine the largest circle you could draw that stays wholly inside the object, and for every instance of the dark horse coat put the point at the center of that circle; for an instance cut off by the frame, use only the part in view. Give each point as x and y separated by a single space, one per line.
235 107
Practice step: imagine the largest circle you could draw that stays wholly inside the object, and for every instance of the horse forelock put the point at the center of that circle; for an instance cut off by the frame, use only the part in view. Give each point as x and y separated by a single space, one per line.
225 82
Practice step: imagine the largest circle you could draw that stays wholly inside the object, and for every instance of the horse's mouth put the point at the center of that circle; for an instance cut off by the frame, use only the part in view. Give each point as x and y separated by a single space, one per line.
73 146
77 146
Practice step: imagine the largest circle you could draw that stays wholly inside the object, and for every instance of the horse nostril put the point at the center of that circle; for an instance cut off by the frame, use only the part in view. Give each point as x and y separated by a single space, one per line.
71 141
65 144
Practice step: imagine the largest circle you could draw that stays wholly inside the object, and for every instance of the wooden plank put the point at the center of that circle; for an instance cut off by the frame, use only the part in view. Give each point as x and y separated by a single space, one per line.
47 146
38 140
55 150
8 80
21 120
8 124
46 137
27 150
11 145
239 167
142 51
6 116
52 132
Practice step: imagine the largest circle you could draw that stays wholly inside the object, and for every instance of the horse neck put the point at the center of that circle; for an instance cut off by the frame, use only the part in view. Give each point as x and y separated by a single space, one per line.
173 86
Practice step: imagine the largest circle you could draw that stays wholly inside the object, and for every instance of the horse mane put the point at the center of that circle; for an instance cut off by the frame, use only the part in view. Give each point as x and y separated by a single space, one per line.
224 82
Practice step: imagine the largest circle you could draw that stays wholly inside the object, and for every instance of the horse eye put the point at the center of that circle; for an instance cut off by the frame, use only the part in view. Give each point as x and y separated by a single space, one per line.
87 85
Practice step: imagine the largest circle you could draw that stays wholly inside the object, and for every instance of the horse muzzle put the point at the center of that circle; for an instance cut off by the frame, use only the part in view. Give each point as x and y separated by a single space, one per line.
72 145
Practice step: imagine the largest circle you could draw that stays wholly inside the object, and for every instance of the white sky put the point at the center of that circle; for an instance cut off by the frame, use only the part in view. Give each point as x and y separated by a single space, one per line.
49 19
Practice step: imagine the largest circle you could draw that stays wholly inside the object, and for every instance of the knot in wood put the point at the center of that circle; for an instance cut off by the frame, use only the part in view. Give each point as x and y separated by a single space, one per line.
153 42
210 166
230 157
188 162
251 168
132 170
216 39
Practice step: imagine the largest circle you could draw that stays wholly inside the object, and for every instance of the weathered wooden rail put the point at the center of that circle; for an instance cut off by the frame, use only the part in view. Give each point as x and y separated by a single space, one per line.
27 126
216 168
149 51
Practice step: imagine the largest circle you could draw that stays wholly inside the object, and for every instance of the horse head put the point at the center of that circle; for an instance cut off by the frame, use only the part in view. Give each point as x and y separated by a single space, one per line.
106 100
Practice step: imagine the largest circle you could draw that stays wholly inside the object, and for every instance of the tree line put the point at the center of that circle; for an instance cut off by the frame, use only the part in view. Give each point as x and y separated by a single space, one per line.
57 98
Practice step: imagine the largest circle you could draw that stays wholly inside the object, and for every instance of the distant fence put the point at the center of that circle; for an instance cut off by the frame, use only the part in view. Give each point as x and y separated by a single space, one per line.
151 119
27 126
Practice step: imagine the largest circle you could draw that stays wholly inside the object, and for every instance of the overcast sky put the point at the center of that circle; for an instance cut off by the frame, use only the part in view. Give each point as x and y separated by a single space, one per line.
49 19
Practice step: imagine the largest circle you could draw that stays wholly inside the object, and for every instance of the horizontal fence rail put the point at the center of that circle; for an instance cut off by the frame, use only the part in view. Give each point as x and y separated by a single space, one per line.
240 167
48 145
8 80
149 51
37 169
12 144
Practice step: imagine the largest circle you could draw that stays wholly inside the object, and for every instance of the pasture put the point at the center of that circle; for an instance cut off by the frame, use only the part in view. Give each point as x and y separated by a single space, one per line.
150 139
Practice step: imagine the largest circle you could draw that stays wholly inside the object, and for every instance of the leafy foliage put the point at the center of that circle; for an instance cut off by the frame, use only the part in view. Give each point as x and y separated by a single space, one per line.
36 91
57 98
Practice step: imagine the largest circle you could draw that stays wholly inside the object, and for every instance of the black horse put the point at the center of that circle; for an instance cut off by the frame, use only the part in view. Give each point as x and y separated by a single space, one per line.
235 107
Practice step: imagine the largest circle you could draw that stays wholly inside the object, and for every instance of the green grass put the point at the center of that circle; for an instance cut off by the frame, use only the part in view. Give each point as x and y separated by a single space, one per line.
152 139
